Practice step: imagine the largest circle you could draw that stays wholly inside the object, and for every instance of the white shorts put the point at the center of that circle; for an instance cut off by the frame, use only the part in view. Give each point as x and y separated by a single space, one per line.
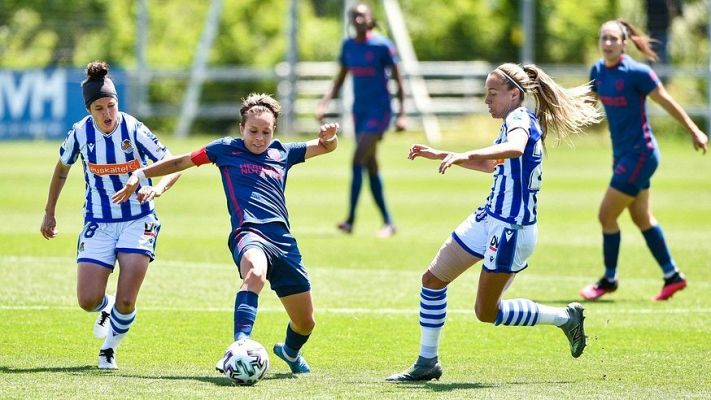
100 242
504 247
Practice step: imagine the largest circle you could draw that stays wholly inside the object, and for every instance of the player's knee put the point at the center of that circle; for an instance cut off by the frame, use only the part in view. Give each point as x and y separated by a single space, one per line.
607 221
430 281
125 305
602 217
643 221
255 279
88 303
305 326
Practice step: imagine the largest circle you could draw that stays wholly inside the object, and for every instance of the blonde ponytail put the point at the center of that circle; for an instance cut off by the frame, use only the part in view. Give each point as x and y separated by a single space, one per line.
562 110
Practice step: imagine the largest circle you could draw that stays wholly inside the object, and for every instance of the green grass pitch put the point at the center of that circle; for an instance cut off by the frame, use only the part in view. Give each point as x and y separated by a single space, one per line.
366 289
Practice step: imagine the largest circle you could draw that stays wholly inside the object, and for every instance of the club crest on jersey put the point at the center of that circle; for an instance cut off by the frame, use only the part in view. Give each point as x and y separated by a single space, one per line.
127 146
274 154
619 85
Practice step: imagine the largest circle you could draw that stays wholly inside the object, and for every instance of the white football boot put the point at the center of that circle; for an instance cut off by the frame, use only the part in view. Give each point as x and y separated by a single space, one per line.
101 325
107 359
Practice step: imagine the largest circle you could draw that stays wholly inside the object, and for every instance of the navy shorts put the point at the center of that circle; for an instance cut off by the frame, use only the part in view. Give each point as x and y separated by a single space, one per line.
632 173
285 271
372 121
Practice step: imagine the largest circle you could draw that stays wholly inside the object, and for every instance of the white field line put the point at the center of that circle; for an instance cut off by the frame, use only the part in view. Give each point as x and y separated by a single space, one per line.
528 275
372 311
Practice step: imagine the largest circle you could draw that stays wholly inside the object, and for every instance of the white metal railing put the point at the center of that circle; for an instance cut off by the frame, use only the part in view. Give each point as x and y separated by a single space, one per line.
456 89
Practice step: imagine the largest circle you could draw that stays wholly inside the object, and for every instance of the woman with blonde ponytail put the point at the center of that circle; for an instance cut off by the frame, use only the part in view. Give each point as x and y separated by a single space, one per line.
623 85
503 232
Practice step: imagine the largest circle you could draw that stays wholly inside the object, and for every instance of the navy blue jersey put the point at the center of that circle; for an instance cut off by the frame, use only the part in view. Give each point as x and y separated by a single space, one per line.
623 90
254 184
367 61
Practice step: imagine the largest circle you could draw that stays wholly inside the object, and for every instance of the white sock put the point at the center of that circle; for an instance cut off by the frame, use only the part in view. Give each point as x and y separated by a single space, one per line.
120 323
548 315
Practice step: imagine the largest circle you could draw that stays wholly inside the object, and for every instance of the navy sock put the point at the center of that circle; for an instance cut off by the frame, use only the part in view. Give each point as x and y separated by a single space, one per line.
294 342
654 237
245 313
356 184
376 186
610 251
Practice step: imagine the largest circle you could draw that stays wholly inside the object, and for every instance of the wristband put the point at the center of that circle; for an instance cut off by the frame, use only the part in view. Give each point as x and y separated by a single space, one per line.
140 174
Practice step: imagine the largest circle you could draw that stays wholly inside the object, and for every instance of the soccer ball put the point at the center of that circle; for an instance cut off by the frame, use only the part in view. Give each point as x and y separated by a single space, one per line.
246 362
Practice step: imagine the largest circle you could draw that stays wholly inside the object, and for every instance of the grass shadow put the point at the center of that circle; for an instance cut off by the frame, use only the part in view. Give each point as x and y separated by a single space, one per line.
218 380
281 375
454 386
82 368
445 387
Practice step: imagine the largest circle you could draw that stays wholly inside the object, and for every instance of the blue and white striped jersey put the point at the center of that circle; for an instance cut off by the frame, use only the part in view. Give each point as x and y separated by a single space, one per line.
513 196
108 160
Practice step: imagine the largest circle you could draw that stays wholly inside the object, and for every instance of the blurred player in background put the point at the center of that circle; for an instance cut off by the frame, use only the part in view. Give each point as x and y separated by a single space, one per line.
503 232
254 169
368 56
112 145
660 14
623 85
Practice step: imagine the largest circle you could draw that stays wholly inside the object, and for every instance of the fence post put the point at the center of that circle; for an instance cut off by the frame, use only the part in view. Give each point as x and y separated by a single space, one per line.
141 63
191 100
286 72
527 9
420 95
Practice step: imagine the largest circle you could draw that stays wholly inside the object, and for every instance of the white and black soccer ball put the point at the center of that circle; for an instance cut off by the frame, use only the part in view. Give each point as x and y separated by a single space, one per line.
246 362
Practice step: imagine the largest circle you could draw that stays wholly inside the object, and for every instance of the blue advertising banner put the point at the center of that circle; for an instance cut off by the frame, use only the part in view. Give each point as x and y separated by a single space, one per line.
45 103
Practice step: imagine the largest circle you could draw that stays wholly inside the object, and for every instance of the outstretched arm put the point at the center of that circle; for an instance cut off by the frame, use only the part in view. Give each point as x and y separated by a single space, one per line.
513 147
337 83
166 166
327 141
664 99
421 150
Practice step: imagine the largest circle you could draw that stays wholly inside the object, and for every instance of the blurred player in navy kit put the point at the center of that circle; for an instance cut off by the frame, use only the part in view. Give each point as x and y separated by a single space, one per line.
254 169
368 57
623 85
